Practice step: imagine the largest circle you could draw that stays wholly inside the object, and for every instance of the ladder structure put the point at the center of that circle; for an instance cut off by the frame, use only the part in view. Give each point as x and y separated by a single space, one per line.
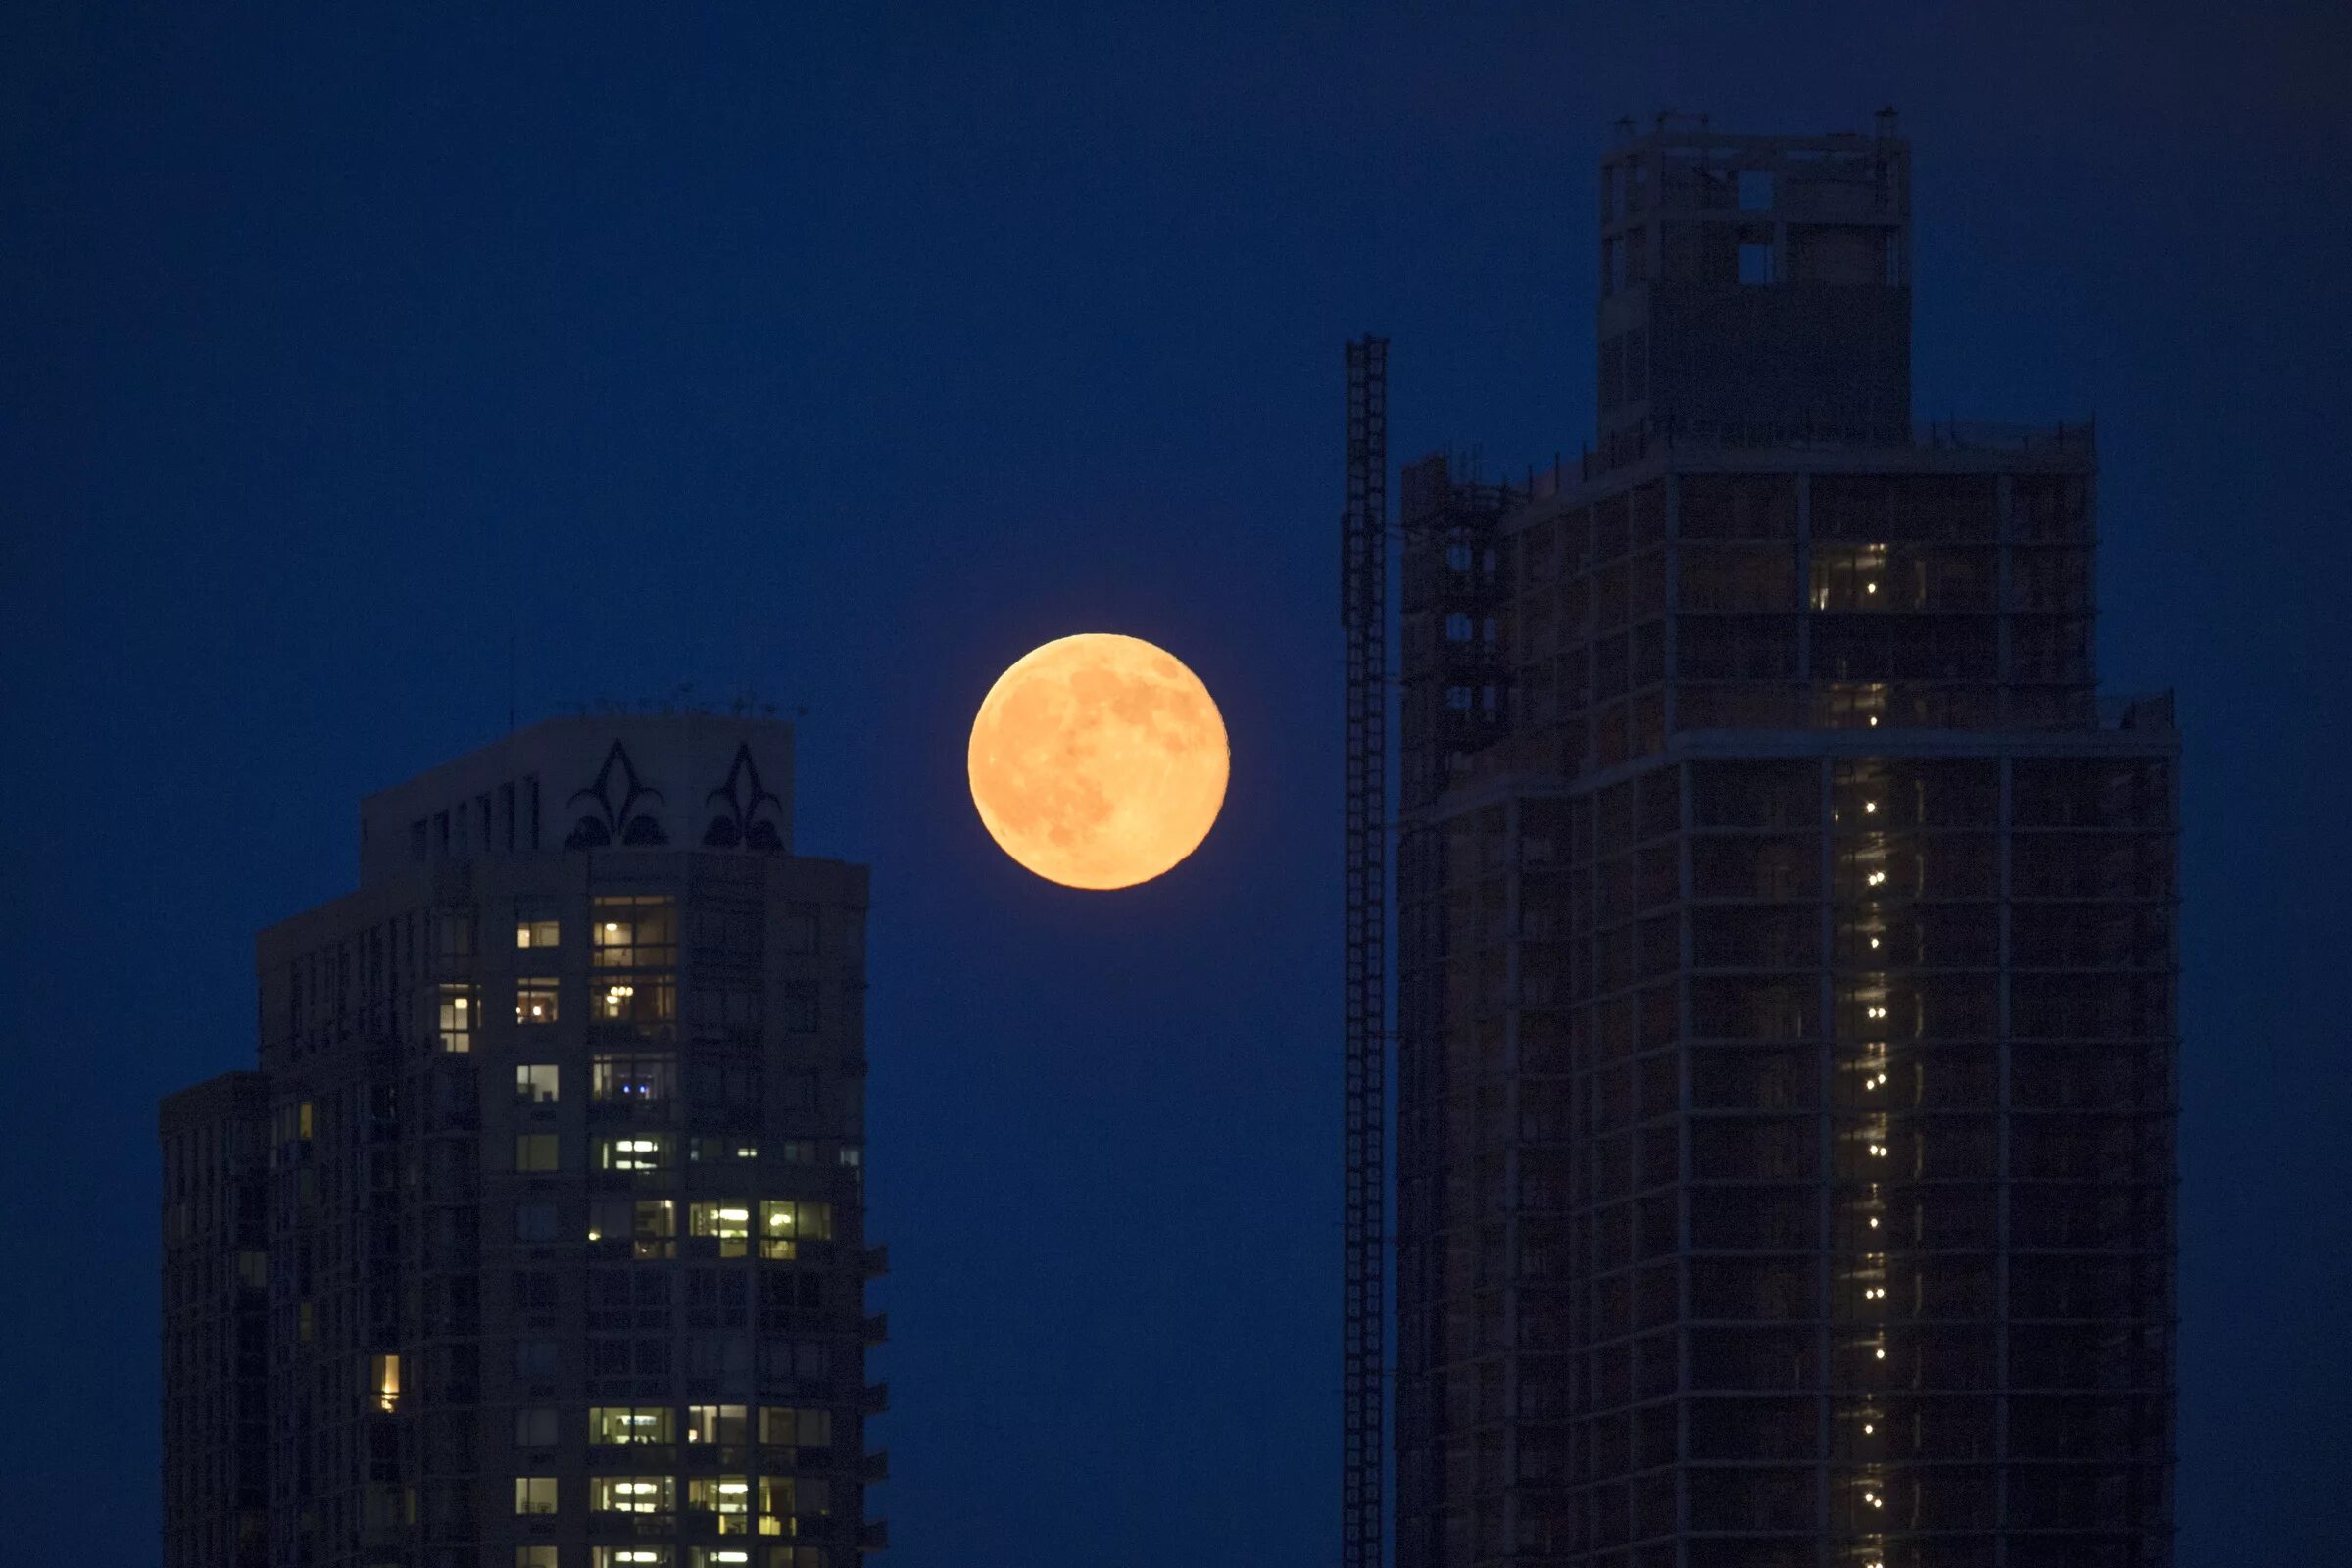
1363 617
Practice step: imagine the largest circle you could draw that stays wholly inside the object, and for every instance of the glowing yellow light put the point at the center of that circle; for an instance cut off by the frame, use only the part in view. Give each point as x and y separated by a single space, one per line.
1870 587
1873 721
1099 760
1874 1222
1882 1355
1870 806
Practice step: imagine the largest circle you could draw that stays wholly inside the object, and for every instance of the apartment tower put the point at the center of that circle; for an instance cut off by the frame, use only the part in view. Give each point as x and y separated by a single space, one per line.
538 1238
1786 942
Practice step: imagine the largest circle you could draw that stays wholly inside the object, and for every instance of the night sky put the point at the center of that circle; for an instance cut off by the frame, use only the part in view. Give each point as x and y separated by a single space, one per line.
845 353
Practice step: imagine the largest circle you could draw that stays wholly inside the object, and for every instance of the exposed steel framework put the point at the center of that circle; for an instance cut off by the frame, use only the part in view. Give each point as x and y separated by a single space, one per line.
1363 616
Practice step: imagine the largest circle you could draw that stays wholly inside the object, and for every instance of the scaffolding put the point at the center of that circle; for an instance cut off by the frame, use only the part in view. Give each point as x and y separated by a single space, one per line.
1363 618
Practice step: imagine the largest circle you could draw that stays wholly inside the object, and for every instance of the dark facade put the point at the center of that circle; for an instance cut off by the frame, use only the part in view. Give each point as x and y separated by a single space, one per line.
1786 995
1755 285
217 1323
539 1238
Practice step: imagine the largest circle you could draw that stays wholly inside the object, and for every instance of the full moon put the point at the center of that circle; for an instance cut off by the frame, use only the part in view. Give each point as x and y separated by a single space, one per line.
1099 760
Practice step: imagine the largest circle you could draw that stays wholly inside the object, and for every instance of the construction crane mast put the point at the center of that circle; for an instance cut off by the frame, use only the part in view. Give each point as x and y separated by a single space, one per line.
1363 617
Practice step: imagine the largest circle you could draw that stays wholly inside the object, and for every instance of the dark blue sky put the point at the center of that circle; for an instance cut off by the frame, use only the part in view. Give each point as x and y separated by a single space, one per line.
849 352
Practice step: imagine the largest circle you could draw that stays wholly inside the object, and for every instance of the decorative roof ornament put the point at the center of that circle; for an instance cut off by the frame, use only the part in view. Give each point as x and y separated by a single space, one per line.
609 824
740 824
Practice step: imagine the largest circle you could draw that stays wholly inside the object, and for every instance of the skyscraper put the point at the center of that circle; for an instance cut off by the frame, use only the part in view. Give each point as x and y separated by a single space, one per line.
538 1238
1786 942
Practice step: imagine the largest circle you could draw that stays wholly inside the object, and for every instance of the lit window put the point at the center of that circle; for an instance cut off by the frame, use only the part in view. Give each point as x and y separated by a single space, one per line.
456 1018
534 1002
632 1494
534 1494
630 1557
383 1376
784 1427
537 933
649 1003
786 1222
535 1083
641 1079
720 1149
631 933
535 1558
535 1152
718 1423
611 1423
729 1224
781 1497
634 1151
720 1556
535 1426
728 1496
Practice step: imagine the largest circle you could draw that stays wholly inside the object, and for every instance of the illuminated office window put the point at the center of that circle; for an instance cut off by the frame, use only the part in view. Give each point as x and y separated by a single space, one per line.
534 931
729 1224
534 1494
535 1152
534 1002
384 1379
645 1003
632 933
782 1497
717 1423
456 1017
611 1424
728 1496
634 1151
535 1083
786 1222
632 1493
636 1079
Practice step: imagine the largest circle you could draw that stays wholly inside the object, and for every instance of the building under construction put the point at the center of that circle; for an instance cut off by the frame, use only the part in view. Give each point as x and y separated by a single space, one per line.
1783 942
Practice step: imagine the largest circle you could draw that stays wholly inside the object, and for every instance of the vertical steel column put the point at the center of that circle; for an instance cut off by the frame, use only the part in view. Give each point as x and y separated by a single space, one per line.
1363 617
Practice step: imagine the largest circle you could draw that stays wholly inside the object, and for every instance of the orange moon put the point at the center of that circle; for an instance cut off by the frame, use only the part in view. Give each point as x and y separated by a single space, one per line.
1099 760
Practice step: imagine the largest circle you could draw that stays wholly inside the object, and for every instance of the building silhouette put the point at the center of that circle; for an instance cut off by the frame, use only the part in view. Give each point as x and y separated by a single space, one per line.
538 1235
1784 942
